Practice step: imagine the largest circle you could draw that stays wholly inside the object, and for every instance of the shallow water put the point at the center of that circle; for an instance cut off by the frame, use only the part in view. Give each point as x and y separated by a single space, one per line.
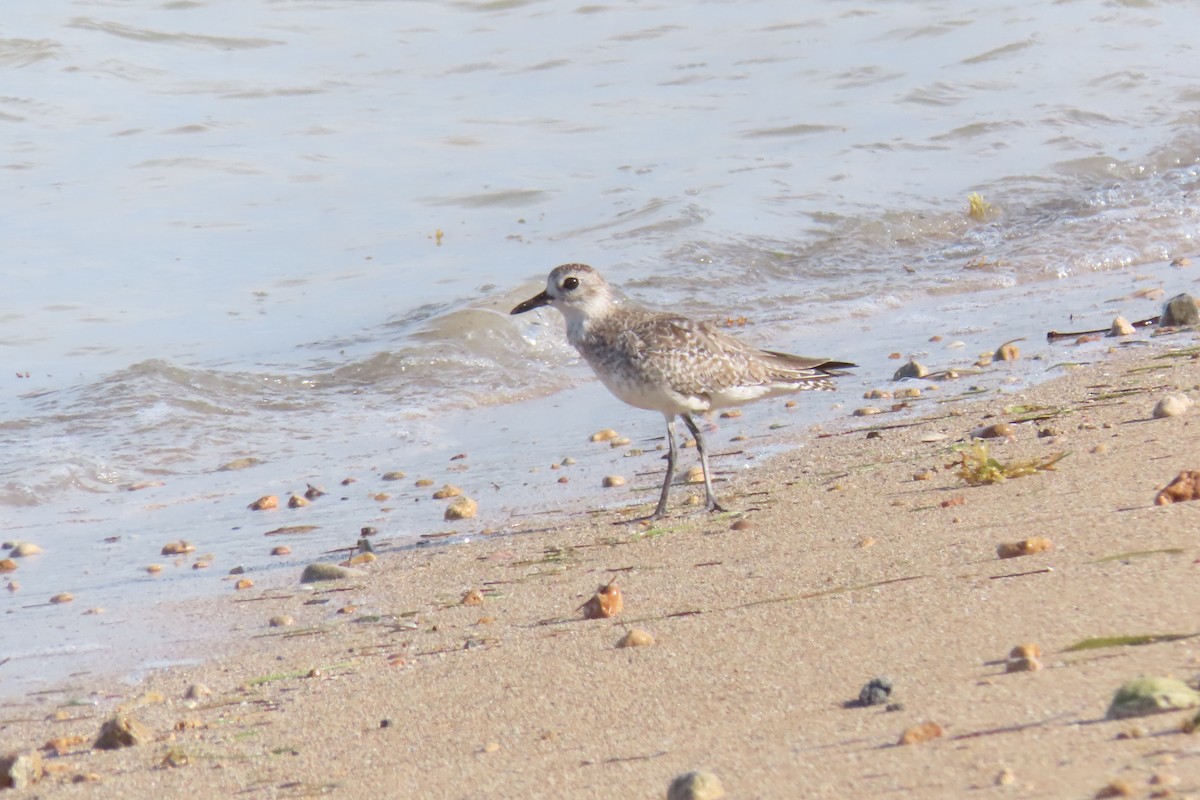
293 231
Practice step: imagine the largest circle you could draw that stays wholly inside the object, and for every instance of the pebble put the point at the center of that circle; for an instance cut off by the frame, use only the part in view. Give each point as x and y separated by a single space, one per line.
922 733
568 462
636 637
1173 405
607 602
741 525
1150 695
201 565
447 491
281 621
22 549
923 475
877 394
620 441
603 435
1006 777
281 550
313 492
913 369
197 691
421 483
21 769
298 501
999 430
1116 788
462 508
473 597
867 411
314 573
121 731
179 548
1007 352
395 475
264 503
1121 327
1178 312
697 785
1025 547
154 569
361 558
62 597
875 692
611 481
908 391
1183 487
695 474
7 565
244 583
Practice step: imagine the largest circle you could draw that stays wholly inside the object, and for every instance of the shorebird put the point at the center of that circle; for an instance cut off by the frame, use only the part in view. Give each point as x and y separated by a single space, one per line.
669 363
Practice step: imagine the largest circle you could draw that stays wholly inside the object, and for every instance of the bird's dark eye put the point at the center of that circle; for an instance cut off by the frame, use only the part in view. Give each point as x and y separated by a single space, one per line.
571 283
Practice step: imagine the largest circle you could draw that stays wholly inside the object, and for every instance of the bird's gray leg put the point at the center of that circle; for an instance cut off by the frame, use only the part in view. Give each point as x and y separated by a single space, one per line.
710 497
666 487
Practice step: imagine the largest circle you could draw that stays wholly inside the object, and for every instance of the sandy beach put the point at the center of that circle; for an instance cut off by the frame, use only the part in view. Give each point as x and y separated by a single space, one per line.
859 555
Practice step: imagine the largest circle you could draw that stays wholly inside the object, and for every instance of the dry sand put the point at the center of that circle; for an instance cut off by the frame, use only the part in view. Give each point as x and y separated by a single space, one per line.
846 568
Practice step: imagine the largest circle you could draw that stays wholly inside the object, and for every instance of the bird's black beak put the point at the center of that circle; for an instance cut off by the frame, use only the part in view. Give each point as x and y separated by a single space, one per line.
537 301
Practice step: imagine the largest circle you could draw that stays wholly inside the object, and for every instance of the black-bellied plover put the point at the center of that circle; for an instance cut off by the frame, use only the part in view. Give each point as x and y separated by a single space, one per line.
668 363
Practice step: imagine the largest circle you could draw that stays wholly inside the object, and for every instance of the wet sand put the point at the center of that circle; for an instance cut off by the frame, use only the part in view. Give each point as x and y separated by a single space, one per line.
837 566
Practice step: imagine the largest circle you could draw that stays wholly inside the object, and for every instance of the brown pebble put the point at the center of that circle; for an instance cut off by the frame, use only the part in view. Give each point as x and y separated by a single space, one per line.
462 508
740 525
695 474
393 476
298 501
1087 338
922 733
611 481
636 637
564 479
999 430
1023 664
154 569
1025 547
313 492
201 565
62 597
473 597
603 435
923 475
1117 788
281 621
347 610
265 503
605 603
447 491
1185 486
1005 777
361 558
423 482
1007 352
7 565
458 457
179 548
732 413
281 550
122 731
244 583
348 481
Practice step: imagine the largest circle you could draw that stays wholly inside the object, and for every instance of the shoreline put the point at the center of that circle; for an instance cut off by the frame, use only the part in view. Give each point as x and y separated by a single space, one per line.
843 567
